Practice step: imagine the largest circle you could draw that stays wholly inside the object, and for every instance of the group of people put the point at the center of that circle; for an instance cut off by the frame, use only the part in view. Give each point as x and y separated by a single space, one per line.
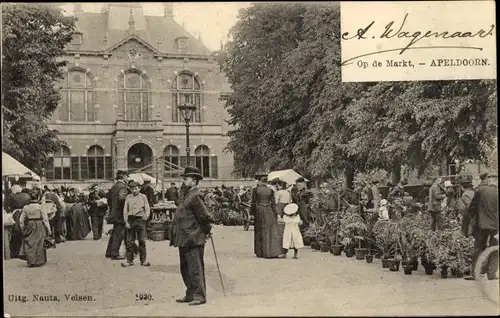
65 215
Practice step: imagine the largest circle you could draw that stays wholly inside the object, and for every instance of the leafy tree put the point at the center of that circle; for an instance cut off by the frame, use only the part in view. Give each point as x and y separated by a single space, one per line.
290 108
34 37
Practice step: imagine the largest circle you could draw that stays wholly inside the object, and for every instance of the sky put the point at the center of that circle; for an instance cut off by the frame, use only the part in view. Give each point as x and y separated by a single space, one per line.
212 19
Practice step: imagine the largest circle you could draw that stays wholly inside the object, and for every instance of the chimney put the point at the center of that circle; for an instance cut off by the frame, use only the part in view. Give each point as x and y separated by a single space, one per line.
131 22
77 10
168 10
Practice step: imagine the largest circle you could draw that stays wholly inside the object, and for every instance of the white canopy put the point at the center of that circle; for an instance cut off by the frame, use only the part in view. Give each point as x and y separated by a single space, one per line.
289 176
12 167
141 177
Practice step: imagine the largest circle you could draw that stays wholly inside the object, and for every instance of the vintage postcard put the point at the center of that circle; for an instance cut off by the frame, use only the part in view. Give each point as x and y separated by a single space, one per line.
250 159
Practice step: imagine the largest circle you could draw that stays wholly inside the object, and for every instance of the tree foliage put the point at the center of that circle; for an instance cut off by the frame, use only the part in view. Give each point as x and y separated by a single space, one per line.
291 110
34 38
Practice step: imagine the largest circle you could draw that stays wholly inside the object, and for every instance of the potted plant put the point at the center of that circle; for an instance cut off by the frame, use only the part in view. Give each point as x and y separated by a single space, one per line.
414 230
386 239
312 234
351 225
394 263
360 251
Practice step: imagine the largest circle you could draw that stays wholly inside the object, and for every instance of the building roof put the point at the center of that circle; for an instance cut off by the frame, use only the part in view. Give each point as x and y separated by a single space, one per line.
102 31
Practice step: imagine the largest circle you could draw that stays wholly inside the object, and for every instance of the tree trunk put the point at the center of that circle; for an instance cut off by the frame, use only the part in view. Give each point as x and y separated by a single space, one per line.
396 174
443 167
349 178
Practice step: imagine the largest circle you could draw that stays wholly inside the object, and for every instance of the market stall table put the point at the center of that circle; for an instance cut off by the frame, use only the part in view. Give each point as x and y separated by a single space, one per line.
160 220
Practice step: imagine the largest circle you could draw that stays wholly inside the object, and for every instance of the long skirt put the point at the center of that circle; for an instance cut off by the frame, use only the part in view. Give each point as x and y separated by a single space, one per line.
32 247
267 239
78 224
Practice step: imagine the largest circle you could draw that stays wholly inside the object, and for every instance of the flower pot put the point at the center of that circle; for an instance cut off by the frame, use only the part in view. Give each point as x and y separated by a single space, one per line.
408 269
307 241
360 253
414 263
323 247
369 258
429 270
336 249
394 265
349 252
385 263
315 246
444 272
456 273
378 255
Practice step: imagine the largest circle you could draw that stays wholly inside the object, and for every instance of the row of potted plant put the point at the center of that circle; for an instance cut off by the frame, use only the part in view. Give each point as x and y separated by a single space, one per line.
399 242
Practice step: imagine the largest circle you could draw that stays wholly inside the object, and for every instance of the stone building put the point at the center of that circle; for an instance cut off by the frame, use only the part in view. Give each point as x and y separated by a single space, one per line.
125 77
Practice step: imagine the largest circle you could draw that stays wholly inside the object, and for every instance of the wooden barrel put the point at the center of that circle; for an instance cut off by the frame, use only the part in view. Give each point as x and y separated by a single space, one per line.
158 235
168 229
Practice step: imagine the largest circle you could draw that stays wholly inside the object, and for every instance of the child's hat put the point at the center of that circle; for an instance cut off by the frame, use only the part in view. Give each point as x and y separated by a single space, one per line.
383 202
291 209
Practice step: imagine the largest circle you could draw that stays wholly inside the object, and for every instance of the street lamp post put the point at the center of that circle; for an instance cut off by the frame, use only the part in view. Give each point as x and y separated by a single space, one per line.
187 111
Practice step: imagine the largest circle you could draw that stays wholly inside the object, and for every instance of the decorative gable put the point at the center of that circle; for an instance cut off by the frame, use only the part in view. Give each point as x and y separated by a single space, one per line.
133 49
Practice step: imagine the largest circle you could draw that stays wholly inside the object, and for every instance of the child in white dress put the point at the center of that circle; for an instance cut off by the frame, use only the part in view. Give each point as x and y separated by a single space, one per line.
291 234
383 212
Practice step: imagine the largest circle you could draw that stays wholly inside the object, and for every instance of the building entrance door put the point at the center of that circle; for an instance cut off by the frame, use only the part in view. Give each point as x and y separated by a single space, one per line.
138 156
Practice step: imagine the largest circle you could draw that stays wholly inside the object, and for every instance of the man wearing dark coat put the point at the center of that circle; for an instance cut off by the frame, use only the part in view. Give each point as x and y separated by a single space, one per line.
97 212
118 195
149 192
172 193
303 196
190 230
484 208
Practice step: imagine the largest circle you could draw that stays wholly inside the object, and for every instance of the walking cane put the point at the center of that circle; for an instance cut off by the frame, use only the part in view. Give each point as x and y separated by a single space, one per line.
218 268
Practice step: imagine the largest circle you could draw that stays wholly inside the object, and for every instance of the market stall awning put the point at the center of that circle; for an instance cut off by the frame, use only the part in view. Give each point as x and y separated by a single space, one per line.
141 177
12 167
289 176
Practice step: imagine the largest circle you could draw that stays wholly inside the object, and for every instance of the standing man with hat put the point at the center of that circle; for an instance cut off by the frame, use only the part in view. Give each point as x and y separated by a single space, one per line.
149 192
190 230
136 212
118 195
484 208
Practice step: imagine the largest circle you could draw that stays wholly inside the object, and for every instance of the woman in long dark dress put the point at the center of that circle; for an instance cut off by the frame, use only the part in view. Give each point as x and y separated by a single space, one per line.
35 227
267 242
77 220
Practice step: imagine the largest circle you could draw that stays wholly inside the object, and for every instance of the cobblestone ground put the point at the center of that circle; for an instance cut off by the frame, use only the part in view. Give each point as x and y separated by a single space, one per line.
315 284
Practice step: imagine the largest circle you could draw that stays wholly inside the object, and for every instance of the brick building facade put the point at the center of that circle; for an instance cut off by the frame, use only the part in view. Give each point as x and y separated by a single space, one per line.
126 74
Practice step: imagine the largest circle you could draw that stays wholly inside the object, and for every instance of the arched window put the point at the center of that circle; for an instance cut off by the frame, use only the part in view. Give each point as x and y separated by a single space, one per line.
171 156
133 95
186 90
95 156
77 97
62 164
202 160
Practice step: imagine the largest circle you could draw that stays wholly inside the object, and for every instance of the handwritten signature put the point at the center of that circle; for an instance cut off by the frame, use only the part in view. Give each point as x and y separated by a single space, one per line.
415 37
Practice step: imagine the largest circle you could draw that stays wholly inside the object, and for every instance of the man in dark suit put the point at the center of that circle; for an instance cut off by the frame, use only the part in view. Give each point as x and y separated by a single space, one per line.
484 209
149 192
118 195
172 193
97 211
190 230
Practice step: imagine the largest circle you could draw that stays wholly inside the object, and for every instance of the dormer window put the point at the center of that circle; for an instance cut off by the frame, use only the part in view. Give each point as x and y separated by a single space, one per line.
77 39
182 44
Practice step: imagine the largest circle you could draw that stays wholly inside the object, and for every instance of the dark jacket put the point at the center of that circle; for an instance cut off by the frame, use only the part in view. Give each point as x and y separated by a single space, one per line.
191 221
150 194
484 205
172 194
95 210
18 201
436 195
118 195
463 205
